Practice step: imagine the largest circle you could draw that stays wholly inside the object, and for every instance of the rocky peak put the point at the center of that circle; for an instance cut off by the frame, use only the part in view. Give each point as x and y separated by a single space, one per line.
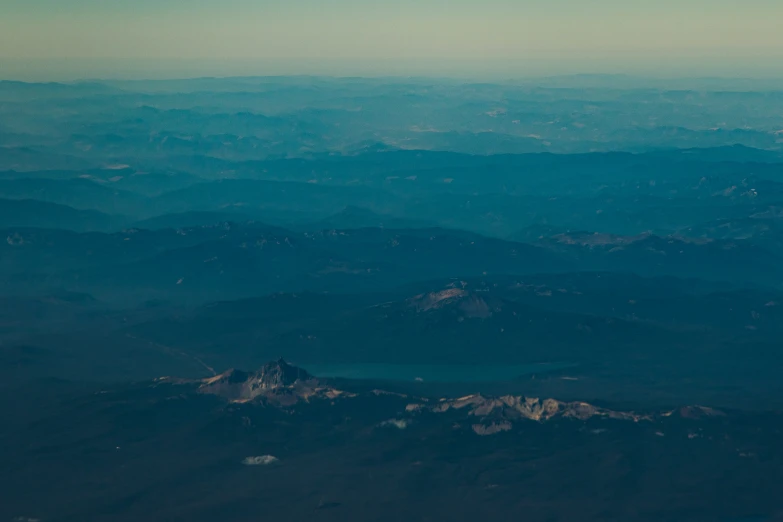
279 373
272 377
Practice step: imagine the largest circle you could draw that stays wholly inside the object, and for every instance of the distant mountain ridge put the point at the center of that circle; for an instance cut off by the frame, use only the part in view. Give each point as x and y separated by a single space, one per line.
284 385
30 213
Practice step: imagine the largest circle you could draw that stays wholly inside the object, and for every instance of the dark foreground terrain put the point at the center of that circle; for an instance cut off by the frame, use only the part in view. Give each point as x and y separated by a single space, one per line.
279 444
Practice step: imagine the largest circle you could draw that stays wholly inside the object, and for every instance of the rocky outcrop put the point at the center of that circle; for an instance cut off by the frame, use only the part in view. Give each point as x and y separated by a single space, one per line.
467 304
281 384
263 460
491 428
513 407
698 412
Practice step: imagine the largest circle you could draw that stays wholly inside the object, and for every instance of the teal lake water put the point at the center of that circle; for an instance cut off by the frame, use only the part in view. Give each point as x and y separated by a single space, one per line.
433 372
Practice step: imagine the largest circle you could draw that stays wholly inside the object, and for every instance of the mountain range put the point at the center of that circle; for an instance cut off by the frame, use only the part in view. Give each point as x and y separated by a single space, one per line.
310 298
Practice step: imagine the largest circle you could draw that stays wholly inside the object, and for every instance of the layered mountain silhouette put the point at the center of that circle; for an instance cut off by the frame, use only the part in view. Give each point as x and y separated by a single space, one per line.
549 299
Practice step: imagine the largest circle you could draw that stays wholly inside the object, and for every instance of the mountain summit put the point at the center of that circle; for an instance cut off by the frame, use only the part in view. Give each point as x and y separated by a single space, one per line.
272 378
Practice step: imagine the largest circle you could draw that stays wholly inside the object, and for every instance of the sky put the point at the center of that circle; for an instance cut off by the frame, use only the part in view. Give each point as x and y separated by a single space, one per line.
376 37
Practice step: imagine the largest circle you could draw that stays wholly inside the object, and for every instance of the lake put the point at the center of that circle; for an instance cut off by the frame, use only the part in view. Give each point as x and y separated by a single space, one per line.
433 372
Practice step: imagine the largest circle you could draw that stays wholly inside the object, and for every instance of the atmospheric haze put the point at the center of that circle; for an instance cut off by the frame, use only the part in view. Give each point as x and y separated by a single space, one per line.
47 39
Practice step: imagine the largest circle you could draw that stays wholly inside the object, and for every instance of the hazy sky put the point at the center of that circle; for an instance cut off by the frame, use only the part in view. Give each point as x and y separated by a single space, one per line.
652 36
